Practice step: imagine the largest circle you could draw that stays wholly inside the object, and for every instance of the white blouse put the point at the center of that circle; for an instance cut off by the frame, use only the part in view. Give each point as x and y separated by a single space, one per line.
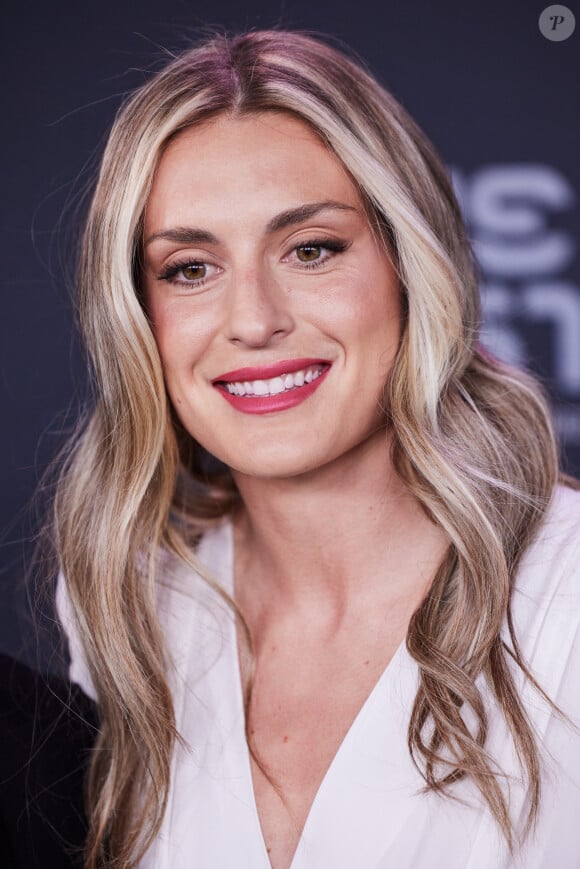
369 810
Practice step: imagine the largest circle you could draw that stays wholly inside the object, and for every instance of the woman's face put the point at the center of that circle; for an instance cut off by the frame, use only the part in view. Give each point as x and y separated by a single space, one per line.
275 311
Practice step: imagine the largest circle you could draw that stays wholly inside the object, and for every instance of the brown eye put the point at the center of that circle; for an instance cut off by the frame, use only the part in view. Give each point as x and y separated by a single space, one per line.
308 253
194 271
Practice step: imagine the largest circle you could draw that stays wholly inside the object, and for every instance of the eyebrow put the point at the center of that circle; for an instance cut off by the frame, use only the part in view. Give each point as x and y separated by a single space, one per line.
290 217
304 212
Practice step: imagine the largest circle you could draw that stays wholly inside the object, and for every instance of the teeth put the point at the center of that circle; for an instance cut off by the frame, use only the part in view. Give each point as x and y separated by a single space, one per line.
260 387
275 385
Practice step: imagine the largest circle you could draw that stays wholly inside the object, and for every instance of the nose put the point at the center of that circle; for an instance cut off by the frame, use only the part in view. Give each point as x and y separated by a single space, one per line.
258 309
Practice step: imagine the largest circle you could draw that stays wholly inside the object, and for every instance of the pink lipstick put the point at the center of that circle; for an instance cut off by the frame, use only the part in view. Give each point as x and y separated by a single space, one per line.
272 388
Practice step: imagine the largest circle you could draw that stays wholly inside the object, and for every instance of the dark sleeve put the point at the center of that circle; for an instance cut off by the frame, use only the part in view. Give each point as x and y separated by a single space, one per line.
47 728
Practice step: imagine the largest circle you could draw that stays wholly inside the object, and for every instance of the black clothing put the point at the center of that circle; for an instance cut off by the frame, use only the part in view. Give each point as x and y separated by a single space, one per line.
47 728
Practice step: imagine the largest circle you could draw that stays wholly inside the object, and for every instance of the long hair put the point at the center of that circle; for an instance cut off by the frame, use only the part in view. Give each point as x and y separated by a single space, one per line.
471 438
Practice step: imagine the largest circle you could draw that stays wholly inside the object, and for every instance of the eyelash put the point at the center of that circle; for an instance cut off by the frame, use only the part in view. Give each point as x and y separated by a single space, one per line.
335 246
170 272
330 244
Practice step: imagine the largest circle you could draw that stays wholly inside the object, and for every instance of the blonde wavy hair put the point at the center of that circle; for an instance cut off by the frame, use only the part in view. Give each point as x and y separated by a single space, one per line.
472 438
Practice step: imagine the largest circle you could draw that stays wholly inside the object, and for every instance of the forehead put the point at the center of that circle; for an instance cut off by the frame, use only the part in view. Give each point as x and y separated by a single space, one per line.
272 159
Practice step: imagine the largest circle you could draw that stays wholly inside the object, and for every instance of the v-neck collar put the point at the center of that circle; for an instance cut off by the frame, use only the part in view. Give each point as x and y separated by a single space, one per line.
369 787
369 809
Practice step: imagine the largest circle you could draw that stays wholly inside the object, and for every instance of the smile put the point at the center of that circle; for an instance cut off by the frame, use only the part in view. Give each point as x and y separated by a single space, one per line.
272 388
275 385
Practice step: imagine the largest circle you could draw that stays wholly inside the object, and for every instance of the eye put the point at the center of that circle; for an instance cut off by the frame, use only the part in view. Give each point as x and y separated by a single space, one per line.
194 271
188 273
316 252
309 253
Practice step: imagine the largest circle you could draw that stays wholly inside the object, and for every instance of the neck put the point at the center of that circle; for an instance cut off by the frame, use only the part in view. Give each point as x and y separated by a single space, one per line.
318 538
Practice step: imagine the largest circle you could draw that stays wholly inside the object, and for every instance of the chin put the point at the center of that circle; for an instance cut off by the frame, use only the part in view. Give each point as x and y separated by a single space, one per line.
277 462
273 469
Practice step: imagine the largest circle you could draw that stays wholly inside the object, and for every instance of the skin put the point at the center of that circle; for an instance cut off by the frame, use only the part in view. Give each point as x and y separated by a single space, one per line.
338 552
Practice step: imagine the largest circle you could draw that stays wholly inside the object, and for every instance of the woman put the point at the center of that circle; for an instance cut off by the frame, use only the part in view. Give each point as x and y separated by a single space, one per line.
319 574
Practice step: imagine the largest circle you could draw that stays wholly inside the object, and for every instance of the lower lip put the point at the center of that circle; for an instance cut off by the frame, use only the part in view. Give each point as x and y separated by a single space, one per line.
273 403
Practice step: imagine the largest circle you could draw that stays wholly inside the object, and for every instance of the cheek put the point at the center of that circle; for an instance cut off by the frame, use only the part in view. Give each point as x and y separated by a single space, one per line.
181 336
365 309
380 305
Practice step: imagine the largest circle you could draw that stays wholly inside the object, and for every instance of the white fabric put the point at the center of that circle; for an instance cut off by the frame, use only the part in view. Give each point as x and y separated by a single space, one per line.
369 811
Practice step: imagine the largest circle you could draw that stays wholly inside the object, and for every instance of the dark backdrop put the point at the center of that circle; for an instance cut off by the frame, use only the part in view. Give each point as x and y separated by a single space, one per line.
499 100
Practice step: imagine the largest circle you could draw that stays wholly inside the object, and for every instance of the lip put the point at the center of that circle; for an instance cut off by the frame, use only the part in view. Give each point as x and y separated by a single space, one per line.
265 372
260 404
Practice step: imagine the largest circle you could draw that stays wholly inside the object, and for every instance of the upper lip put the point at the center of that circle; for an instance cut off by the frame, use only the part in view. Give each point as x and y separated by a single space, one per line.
265 372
